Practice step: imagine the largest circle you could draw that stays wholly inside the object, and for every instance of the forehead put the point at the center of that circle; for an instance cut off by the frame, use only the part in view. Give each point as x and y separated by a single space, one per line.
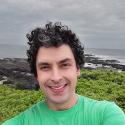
54 53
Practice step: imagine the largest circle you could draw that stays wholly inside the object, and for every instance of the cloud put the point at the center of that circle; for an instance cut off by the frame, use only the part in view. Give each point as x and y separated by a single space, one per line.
95 21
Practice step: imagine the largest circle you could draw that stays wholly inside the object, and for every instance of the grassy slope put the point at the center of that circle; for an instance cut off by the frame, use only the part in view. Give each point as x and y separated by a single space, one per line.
97 84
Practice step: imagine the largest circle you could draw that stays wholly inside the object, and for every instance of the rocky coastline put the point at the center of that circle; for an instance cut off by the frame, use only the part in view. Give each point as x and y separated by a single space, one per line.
15 72
93 62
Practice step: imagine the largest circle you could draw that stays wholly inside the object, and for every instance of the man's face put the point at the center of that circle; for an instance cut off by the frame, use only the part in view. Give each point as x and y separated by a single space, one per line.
57 73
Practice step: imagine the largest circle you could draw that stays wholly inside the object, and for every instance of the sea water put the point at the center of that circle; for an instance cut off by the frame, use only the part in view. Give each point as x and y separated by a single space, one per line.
12 51
19 51
108 54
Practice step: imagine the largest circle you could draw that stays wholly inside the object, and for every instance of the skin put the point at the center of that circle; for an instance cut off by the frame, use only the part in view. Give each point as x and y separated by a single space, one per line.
57 76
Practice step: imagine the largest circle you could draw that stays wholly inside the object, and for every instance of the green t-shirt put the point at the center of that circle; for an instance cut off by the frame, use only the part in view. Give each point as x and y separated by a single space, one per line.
85 112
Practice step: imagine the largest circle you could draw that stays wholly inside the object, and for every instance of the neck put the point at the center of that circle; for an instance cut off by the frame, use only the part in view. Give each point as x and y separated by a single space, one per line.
70 103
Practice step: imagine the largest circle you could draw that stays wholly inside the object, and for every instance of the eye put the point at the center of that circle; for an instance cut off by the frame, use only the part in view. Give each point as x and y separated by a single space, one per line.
66 65
44 68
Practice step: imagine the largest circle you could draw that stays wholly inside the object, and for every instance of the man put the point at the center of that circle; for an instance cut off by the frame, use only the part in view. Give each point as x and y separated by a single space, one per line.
55 57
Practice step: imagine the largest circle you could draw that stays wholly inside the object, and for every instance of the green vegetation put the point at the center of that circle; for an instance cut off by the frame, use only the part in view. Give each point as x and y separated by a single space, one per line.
13 101
97 84
103 84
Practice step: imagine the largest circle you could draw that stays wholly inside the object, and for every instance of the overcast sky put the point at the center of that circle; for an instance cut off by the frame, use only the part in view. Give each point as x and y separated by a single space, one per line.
98 23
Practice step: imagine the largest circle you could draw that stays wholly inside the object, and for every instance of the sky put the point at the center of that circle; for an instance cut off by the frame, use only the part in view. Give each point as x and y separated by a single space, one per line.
97 23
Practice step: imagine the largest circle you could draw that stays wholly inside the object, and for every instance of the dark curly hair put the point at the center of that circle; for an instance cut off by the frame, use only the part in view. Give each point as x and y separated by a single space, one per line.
53 35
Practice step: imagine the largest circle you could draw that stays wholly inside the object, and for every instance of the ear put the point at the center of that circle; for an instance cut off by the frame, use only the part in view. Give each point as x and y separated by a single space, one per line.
78 71
36 78
37 87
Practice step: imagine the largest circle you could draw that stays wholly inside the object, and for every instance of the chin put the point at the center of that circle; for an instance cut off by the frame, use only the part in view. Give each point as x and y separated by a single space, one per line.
59 100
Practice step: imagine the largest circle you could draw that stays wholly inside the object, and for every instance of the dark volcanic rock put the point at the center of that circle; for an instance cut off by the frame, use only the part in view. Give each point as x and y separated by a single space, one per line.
17 72
111 63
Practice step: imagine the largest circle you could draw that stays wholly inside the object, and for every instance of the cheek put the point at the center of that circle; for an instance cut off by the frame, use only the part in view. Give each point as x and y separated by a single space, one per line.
42 75
72 77
41 78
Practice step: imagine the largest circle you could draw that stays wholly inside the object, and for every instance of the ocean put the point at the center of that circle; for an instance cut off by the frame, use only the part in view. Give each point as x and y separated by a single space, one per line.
12 51
19 51
111 54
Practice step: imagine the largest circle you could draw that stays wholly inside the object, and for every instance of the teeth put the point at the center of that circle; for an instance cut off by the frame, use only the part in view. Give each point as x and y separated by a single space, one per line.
57 88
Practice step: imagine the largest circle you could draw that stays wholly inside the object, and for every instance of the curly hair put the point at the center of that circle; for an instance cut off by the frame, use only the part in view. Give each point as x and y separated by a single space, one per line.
53 35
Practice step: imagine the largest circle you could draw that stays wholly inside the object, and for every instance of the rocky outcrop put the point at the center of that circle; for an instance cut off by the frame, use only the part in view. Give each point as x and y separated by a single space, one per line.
15 72
95 62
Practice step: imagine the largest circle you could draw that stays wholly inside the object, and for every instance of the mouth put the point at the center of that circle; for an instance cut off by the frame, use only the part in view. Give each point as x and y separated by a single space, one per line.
58 89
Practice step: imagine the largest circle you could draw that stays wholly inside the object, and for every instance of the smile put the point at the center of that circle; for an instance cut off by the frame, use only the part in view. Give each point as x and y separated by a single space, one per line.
58 89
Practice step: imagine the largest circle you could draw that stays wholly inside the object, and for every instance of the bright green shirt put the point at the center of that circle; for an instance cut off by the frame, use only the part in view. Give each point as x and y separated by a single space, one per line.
85 112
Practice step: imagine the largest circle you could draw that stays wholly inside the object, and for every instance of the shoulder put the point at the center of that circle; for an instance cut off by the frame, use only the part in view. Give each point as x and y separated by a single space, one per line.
26 115
94 106
88 102
35 108
106 111
113 114
102 105
34 112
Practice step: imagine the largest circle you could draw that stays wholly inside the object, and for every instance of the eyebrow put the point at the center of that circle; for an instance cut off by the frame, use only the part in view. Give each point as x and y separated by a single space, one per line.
61 61
42 64
66 60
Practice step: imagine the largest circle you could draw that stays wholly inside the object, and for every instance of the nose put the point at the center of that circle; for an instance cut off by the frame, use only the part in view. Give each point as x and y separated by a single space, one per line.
56 75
